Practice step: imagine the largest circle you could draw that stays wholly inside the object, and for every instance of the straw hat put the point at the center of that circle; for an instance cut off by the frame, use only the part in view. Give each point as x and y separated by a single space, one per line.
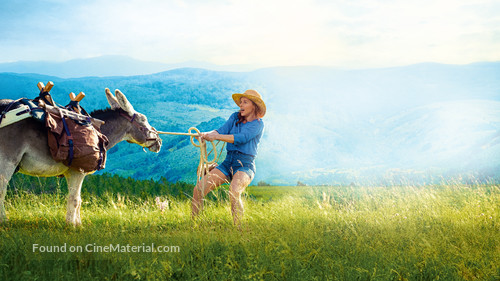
253 96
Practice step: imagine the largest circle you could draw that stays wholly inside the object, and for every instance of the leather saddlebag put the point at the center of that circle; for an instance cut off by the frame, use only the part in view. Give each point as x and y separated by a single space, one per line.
78 145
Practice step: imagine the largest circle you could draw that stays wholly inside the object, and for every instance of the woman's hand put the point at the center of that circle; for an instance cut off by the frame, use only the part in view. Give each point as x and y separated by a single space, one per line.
214 135
210 136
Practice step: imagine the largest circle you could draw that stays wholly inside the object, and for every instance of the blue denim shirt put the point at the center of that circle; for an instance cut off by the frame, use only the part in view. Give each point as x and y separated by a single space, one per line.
246 135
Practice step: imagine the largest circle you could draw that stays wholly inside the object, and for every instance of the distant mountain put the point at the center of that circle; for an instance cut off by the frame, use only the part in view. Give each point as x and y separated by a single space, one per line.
104 66
459 135
405 125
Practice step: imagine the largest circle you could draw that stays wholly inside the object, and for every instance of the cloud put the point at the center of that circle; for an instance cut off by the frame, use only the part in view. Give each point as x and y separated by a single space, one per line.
408 32
340 33
238 32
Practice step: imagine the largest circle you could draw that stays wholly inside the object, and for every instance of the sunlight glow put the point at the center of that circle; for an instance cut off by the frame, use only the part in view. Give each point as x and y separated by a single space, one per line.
352 34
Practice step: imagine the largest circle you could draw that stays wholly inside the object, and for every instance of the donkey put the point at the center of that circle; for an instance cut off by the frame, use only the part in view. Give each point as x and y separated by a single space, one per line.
24 147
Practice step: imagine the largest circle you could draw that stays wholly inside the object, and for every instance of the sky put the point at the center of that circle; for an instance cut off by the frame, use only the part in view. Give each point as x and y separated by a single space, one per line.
336 33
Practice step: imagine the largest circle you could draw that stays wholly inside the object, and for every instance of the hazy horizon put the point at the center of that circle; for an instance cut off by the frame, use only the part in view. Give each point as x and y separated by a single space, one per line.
190 64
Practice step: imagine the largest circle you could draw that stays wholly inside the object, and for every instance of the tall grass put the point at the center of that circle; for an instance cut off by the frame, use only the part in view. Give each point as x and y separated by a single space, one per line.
288 233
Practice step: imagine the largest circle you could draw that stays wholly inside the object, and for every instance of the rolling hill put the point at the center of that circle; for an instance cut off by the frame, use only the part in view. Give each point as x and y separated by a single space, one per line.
424 123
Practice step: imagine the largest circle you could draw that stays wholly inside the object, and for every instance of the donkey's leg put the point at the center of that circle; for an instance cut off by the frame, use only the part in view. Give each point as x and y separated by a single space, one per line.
74 180
3 191
10 156
6 171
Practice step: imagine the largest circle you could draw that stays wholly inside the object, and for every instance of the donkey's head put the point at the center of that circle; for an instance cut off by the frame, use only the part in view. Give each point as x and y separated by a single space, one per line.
139 130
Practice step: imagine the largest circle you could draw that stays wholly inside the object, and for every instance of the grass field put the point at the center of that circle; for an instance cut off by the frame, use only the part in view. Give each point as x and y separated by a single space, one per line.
289 233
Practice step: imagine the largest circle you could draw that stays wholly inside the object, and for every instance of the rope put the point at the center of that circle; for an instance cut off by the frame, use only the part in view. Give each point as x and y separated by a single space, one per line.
204 164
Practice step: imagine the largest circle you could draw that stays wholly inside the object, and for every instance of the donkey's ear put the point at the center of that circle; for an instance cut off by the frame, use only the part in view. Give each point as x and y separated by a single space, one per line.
112 100
123 102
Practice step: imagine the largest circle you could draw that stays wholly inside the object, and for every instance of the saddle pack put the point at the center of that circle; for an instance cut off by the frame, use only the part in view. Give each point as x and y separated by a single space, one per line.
77 144
74 138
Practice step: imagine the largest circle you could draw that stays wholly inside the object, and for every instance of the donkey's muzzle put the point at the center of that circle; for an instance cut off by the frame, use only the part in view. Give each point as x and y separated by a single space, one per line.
156 142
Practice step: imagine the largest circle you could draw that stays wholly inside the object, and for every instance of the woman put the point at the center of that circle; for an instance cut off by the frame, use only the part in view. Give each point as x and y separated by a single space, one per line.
242 131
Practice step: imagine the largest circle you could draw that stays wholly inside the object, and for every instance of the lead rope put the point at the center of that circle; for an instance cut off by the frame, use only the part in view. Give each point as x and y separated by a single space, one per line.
204 164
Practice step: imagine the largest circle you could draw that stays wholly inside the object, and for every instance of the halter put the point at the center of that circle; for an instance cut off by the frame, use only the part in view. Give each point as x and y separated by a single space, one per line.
141 128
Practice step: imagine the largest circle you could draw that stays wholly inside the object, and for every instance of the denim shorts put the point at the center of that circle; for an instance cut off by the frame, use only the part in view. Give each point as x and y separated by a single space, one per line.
236 161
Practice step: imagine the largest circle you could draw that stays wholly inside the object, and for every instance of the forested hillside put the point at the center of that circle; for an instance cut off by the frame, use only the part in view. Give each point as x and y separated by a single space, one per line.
99 185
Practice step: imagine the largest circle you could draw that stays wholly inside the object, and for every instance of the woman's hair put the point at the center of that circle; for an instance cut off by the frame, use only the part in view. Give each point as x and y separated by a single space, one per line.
241 118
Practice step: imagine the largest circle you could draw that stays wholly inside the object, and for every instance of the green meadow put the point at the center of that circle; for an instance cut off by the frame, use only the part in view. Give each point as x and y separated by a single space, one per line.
448 232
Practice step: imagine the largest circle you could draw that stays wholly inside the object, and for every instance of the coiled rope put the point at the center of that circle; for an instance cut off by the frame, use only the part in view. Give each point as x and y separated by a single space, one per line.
204 164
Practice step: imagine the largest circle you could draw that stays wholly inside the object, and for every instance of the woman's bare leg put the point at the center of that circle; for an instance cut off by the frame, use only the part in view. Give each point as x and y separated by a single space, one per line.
240 181
210 181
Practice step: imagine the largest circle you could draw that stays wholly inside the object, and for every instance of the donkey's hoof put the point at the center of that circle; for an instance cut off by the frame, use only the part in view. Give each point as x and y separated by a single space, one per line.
74 222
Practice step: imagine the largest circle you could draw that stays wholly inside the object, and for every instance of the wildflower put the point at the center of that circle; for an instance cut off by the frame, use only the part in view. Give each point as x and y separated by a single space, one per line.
161 205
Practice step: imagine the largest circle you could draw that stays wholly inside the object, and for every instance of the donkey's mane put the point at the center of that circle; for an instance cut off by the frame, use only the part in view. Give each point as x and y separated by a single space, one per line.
103 113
